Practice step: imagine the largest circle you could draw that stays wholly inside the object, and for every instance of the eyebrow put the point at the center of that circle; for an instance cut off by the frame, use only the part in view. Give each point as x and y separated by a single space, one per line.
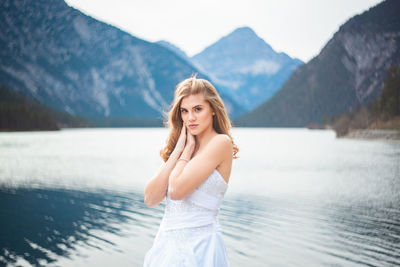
193 106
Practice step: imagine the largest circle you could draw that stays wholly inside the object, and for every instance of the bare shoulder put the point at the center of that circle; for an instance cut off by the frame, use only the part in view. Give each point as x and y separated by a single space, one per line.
222 140
222 143
224 148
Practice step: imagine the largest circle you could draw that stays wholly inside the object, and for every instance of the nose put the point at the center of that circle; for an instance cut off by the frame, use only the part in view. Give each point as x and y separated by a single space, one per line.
191 116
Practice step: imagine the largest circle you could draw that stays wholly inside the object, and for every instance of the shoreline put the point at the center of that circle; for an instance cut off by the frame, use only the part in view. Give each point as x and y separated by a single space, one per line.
373 134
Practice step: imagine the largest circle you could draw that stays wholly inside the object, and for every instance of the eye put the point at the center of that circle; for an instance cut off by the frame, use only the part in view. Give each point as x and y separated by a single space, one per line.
183 110
198 109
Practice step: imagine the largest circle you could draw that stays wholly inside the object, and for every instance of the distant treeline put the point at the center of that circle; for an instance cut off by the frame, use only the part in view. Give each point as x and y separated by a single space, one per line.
382 113
19 112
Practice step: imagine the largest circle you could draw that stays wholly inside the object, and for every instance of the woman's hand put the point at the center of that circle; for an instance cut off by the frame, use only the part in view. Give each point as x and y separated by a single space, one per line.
189 146
190 141
180 144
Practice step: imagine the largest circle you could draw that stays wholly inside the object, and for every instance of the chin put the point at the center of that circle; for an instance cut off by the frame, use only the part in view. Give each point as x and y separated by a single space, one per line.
194 131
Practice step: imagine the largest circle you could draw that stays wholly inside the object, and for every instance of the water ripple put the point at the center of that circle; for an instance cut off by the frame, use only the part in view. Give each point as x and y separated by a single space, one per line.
317 233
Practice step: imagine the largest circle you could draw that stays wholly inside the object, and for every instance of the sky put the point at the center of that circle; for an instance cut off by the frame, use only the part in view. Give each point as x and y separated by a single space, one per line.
300 28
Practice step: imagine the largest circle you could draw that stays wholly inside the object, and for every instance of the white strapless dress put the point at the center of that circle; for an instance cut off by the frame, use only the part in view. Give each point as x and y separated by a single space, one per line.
189 233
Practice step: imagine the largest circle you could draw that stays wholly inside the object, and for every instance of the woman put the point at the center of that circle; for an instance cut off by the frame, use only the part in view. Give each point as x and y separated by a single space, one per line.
194 178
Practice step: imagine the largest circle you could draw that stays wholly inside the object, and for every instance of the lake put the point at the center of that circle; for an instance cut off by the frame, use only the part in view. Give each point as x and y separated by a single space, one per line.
296 197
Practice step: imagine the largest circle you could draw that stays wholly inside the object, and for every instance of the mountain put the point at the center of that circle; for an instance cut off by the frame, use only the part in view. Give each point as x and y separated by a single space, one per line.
21 113
174 49
349 72
382 113
246 67
69 61
230 103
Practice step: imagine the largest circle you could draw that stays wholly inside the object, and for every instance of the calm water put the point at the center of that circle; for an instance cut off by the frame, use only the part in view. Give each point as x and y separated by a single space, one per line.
296 198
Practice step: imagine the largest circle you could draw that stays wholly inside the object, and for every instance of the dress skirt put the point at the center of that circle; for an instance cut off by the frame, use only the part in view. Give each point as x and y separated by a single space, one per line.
188 247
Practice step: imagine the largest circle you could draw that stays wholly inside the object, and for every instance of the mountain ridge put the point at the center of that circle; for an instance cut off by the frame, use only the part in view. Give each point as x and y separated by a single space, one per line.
347 73
75 63
246 66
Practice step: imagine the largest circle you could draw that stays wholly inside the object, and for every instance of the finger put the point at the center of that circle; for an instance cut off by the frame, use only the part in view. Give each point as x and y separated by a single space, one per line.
190 136
189 133
183 132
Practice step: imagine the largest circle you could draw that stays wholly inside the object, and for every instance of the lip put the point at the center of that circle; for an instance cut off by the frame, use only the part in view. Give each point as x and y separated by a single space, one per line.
192 126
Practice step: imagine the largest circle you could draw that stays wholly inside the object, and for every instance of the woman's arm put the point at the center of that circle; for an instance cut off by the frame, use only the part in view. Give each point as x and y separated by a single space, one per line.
156 188
187 176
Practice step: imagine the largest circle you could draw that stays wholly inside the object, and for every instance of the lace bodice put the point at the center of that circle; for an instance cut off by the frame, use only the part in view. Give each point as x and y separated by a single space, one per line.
205 199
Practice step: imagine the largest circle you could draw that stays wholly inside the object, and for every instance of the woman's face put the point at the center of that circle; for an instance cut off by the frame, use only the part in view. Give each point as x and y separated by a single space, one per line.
196 113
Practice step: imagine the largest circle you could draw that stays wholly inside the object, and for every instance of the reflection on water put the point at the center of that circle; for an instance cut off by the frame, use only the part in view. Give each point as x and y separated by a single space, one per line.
38 226
63 226
295 198
280 232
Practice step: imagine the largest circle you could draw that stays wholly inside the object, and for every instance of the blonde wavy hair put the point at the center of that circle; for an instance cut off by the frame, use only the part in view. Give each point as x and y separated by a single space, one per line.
193 86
